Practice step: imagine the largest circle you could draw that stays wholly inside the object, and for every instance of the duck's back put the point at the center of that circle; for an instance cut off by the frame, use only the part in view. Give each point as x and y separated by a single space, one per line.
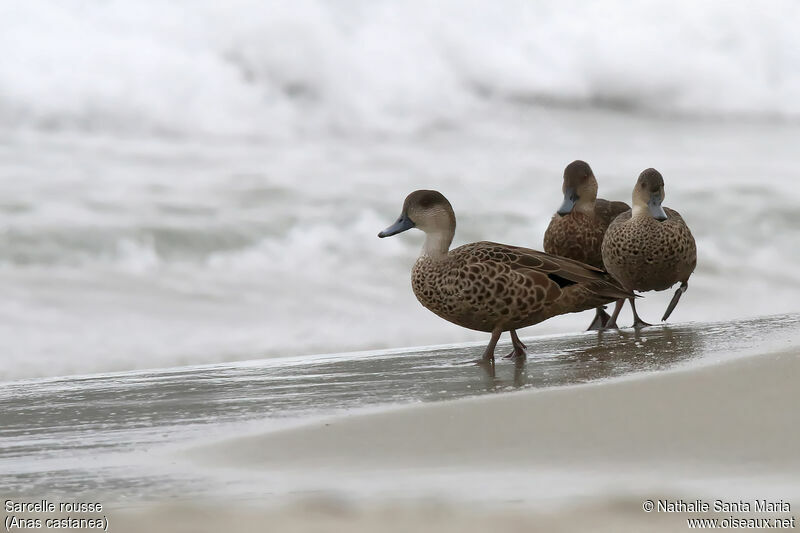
485 284
645 254
607 211
579 236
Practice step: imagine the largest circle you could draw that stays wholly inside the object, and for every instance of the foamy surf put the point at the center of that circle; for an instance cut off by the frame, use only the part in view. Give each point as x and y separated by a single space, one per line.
275 69
123 254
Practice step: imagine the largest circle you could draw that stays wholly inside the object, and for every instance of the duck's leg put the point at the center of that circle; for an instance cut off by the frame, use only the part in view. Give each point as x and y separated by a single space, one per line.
684 286
611 323
488 353
519 347
600 319
637 322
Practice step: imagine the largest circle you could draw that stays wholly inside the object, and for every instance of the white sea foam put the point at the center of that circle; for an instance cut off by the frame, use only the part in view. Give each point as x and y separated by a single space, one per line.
135 256
266 144
277 68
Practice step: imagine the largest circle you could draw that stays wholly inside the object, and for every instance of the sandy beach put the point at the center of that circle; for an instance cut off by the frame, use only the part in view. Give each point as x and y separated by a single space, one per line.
736 417
605 516
723 432
583 451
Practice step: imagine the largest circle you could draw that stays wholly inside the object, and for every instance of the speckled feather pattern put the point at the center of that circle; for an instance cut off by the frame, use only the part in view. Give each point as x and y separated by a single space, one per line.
647 255
579 235
484 285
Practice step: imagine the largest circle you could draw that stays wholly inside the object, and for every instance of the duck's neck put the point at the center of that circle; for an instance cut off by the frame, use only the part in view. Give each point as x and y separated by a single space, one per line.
639 210
587 198
585 207
437 244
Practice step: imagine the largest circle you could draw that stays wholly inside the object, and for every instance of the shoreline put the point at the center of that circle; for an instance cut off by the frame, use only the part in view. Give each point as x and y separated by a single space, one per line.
593 426
367 353
689 426
372 354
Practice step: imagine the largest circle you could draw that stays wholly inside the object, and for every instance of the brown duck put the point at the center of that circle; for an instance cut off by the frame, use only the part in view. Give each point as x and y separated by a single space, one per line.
649 248
576 230
494 287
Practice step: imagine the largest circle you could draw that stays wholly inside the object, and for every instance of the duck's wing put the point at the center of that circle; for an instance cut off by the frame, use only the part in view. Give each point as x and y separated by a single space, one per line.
560 270
675 216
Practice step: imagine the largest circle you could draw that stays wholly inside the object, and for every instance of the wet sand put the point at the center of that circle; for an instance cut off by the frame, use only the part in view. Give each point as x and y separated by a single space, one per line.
334 516
615 516
737 417
723 432
576 439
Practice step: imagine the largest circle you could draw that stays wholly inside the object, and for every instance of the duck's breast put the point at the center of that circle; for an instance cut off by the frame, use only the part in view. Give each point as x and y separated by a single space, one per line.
645 254
576 236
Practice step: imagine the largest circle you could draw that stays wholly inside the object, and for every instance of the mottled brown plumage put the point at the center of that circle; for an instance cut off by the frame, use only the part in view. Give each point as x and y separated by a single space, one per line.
576 231
649 248
494 287
645 254
579 236
484 285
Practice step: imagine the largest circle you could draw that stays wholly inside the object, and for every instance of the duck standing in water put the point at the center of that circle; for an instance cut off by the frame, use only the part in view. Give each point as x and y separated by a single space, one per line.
494 287
649 248
576 230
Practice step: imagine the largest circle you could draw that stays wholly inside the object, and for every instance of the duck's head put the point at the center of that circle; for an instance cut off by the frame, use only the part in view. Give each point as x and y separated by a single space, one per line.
580 188
426 210
649 193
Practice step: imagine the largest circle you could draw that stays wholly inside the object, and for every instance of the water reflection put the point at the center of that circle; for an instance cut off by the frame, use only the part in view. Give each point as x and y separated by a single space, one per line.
594 356
57 425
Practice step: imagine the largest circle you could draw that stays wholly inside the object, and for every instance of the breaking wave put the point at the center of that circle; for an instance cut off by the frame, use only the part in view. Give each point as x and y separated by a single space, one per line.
249 68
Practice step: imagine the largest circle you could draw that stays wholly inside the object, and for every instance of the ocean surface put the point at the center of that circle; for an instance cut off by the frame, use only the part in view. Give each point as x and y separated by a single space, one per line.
200 182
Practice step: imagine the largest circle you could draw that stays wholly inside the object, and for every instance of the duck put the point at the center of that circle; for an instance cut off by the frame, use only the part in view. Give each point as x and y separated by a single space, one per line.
577 228
492 287
649 247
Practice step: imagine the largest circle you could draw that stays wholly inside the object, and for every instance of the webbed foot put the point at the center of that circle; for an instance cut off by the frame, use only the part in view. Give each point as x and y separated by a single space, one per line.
518 352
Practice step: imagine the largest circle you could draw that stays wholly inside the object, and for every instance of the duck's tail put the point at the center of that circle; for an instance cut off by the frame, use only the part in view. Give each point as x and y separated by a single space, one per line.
608 287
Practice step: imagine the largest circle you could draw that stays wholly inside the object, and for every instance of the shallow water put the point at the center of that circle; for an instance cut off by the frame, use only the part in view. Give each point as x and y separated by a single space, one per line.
116 435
